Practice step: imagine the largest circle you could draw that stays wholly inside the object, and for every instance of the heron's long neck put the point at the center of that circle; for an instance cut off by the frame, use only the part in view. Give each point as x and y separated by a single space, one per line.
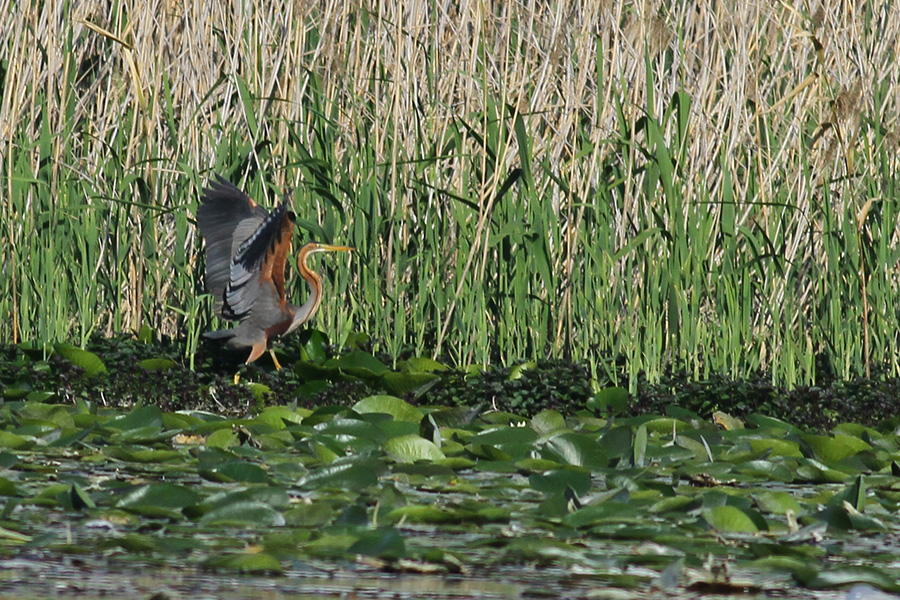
305 311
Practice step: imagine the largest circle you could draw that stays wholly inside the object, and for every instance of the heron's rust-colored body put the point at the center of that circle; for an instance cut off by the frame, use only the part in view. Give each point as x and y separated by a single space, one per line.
246 253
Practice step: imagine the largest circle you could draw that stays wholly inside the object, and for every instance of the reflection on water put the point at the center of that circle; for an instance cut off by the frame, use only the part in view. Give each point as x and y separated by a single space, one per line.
89 579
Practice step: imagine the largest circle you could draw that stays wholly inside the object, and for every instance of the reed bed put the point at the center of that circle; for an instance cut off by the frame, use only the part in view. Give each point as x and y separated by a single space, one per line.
704 185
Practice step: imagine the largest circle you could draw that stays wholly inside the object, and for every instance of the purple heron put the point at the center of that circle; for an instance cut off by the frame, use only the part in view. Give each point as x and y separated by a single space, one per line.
246 252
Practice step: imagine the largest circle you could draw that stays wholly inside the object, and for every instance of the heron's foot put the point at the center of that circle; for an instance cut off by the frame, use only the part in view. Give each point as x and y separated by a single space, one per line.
237 378
275 360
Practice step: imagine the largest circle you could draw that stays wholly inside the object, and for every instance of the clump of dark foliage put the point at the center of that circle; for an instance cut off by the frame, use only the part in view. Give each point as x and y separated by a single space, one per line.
208 387
523 389
868 401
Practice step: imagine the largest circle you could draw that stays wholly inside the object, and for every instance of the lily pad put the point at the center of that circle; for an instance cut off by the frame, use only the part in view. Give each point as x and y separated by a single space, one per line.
412 448
831 450
385 542
730 519
397 408
88 361
246 562
243 513
353 475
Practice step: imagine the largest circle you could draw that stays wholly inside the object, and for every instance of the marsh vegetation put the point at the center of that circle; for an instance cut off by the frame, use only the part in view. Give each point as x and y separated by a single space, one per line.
622 317
693 184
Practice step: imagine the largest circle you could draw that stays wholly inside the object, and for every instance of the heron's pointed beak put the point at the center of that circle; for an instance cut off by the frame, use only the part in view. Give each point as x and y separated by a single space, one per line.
330 248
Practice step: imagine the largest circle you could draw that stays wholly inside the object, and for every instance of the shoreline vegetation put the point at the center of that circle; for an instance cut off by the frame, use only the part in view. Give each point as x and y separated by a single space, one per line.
127 372
697 186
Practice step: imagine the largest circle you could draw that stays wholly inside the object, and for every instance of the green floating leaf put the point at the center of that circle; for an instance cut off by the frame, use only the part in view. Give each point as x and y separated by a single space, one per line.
576 449
666 425
88 361
775 447
234 470
225 437
316 514
358 363
558 505
243 513
431 514
844 517
547 421
767 470
59 416
456 463
853 494
8 488
412 448
845 575
614 508
793 565
403 384
556 482
815 472
385 542
80 499
246 562
22 390
617 442
548 552
355 475
640 446
273 496
343 429
459 416
772 424
779 503
159 499
389 405
675 504
278 417
831 450
13 537
537 465
730 519
140 417
505 435
330 545
611 401
52 494
142 435
142 455
12 441
133 542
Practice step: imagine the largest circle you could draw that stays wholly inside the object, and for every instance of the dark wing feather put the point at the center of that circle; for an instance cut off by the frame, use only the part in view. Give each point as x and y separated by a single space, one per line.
254 261
226 217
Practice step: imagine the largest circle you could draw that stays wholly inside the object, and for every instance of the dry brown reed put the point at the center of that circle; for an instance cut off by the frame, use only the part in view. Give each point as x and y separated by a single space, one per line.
778 94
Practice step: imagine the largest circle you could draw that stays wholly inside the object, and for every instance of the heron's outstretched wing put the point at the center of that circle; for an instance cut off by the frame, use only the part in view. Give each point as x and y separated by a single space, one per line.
246 246
223 210
258 260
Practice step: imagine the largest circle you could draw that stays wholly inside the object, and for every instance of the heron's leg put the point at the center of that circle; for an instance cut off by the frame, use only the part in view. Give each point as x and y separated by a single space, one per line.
274 360
256 351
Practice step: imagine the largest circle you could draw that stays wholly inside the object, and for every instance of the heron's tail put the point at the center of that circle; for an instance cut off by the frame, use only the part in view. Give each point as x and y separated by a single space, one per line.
222 335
